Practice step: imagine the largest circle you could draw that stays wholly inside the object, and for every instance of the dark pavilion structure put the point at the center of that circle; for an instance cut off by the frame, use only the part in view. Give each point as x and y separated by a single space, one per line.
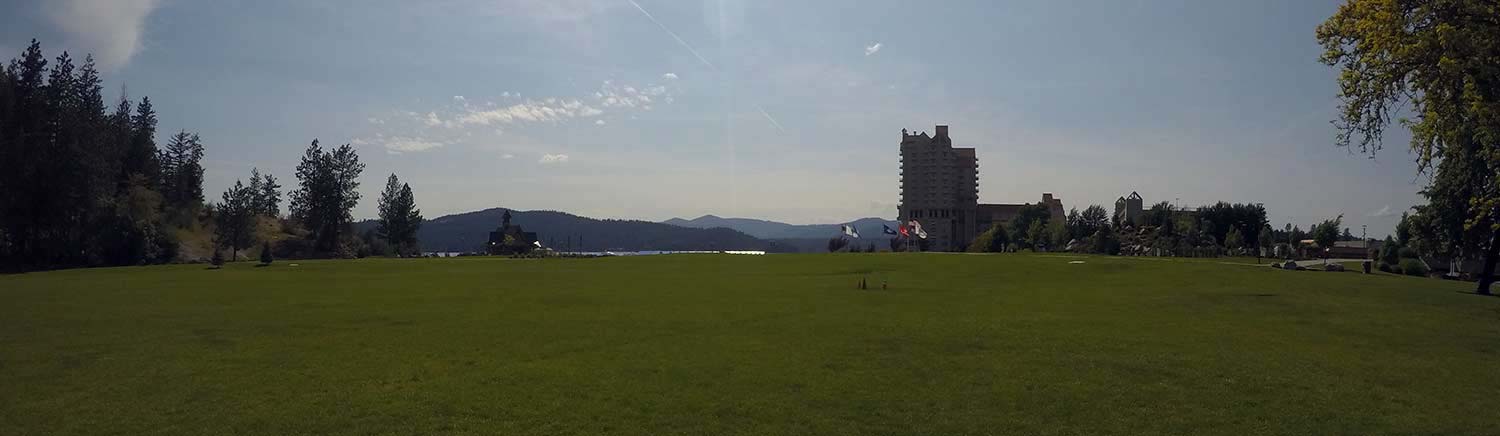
510 239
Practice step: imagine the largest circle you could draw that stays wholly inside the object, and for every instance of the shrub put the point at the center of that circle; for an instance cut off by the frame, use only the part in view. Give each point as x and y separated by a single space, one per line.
218 259
265 254
1383 267
1407 253
1413 267
1389 254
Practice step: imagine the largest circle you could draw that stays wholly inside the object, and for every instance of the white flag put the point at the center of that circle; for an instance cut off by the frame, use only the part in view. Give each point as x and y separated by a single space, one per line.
538 244
849 230
916 227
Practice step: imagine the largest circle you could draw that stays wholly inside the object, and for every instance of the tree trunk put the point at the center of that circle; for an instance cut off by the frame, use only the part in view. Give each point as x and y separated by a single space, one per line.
1487 274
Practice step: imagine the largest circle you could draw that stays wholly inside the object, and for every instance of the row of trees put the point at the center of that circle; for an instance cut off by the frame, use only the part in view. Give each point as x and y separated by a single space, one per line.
81 185
320 223
1164 231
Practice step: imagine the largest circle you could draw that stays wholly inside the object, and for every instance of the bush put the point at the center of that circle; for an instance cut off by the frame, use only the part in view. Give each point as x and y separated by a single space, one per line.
1389 254
1383 267
1413 267
1407 253
218 259
265 254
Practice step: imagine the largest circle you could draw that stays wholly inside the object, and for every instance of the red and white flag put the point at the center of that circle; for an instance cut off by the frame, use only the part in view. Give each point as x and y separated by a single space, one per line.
916 227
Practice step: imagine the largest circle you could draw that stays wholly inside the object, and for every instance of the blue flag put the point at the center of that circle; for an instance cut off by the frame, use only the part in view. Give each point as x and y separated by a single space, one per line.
888 230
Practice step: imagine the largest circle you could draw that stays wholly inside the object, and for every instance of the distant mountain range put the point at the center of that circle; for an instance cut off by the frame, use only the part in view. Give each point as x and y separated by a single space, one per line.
466 232
470 231
868 228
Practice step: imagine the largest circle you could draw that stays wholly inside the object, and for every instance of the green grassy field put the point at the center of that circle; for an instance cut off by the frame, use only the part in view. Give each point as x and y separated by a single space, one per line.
782 344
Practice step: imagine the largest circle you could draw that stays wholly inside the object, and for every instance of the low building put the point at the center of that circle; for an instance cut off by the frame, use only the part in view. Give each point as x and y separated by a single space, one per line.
1002 214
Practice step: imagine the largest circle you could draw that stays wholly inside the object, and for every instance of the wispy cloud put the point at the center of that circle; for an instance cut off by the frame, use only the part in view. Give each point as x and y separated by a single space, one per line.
550 159
110 29
870 50
599 122
401 144
669 76
549 110
1382 212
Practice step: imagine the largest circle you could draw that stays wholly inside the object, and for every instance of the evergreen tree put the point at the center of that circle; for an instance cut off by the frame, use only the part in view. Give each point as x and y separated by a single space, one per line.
235 221
182 171
399 217
265 253
327 193
141 155
269 197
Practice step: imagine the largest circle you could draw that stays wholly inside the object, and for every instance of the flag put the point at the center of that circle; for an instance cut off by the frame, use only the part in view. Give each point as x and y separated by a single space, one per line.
905 232
887 230
849 230
916 227
538 244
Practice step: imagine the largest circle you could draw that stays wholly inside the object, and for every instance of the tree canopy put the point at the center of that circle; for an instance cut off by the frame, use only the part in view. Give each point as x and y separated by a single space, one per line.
1438 60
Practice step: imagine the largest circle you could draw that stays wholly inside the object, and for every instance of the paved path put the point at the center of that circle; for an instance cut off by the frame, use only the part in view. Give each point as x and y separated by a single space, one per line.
1319 262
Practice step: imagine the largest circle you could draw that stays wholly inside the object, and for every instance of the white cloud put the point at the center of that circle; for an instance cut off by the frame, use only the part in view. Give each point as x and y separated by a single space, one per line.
548 159
375 121
508 156
870 50
432 120
614 96
402 144
550 110
458 98
669 76
599 122
110 29
1382 212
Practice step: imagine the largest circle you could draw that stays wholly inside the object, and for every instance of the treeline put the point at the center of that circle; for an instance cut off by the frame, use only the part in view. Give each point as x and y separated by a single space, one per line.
1222 228
82 185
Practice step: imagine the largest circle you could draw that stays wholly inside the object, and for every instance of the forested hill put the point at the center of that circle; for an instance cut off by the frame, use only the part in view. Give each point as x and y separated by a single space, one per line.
469 231
867 227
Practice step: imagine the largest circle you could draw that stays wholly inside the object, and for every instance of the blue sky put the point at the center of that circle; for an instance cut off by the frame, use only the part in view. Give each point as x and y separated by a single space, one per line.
785 110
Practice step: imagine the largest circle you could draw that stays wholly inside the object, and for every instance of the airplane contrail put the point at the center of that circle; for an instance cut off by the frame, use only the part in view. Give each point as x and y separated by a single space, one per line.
700 57
679 39
770 118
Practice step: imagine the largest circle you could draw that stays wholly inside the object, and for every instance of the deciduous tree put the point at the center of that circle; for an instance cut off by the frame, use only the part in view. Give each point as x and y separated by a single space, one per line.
1438 60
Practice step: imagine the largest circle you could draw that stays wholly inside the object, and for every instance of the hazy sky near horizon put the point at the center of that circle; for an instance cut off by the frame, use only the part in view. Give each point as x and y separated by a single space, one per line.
782 110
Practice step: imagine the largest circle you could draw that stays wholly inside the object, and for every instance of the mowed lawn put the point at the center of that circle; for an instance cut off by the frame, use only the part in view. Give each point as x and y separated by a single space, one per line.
716 345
